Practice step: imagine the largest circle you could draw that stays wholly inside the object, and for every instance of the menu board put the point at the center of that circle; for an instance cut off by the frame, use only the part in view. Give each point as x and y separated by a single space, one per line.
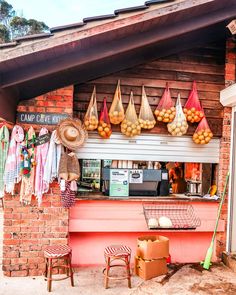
119 183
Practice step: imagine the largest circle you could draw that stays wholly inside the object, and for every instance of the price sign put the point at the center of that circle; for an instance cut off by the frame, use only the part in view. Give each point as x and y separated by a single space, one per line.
136 176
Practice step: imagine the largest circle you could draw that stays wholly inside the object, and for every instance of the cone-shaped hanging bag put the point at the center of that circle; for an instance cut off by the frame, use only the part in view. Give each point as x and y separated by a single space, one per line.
203 133
130 125
165 111
193 109
146 118
116 112
179 126
104 125
91 116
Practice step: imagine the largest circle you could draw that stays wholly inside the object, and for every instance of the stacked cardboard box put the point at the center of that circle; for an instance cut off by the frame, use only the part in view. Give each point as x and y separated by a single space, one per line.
151 255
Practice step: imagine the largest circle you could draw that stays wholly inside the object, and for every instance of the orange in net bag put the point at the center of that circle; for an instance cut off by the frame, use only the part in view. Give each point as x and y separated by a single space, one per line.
91 116
116 112
203 133
193 109
146 118
165 111
104 125
130 125
179 126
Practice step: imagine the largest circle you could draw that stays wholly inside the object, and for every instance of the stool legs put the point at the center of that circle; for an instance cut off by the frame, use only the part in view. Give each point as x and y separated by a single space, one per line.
48 271
49 274
127 262
108 260
71 275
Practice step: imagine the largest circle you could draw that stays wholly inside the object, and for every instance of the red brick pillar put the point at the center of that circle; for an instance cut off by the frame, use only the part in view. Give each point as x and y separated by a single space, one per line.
225 142
28 229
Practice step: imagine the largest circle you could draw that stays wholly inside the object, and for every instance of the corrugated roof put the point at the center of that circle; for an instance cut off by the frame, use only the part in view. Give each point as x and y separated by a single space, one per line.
86 20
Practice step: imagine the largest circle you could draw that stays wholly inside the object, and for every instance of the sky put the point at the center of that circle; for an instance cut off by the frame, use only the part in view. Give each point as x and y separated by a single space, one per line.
62 12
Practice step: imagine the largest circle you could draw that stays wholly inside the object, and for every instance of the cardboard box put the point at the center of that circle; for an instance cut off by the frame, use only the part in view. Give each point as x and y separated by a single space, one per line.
152 247
148 269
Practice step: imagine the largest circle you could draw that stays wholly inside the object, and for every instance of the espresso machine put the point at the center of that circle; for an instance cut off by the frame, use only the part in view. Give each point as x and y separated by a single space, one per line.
155 183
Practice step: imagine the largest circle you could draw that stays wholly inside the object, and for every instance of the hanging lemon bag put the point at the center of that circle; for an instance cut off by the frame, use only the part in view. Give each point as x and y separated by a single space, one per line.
116 112
130 125
165 111
104 125
146 118
193 109
203 133
179 126
91 116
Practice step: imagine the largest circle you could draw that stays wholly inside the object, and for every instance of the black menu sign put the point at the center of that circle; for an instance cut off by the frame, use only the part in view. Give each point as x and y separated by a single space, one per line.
40 118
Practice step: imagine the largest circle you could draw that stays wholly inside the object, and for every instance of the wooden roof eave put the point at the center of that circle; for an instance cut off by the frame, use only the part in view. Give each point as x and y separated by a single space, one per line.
80 57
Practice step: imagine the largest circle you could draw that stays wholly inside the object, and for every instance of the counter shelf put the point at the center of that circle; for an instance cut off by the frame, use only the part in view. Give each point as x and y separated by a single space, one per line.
182 215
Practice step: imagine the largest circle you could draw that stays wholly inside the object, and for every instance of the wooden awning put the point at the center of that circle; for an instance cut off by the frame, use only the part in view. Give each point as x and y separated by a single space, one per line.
102 45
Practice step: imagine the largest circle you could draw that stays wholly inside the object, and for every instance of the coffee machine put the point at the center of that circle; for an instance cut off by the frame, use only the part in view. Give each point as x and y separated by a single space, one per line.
155 183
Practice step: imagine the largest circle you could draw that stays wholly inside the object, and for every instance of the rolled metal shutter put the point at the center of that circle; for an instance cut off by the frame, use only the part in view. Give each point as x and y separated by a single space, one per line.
150 148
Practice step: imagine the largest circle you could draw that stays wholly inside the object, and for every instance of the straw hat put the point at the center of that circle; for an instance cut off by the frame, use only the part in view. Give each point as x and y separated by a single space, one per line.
71 133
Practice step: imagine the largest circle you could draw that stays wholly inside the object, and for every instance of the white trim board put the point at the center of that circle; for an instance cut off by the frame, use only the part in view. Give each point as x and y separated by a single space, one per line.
228 96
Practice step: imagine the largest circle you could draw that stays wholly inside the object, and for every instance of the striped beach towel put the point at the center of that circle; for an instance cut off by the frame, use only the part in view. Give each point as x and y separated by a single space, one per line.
4 144
12 168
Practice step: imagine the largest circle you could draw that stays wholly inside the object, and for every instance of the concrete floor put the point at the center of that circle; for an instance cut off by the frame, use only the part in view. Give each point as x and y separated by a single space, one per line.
184 280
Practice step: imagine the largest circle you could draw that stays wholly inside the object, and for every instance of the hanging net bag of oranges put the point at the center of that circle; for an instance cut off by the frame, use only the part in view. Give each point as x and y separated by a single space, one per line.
91 116
203 133
130 125
193 109
104 125
179 126
165 111
146 118
116 112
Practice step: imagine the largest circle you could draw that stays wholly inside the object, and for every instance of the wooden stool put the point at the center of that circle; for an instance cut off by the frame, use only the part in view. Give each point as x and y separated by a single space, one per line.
117 252
58 252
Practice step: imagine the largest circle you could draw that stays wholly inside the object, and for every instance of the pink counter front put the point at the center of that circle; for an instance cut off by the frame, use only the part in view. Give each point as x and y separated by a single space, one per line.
95 224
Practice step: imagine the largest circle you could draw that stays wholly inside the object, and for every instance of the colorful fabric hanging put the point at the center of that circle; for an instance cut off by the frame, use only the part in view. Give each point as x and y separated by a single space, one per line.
4 144
12 168
28 165
41 156
52 162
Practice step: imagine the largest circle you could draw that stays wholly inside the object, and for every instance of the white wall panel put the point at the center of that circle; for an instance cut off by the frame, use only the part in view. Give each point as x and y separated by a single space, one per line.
149 147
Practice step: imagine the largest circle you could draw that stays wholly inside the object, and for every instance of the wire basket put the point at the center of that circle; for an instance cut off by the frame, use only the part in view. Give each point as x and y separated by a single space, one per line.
182 216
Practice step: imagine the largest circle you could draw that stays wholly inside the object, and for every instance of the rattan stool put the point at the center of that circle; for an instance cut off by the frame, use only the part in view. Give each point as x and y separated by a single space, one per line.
58 252
117 252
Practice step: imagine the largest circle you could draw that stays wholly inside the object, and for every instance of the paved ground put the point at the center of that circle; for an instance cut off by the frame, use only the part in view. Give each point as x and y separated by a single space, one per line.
184 280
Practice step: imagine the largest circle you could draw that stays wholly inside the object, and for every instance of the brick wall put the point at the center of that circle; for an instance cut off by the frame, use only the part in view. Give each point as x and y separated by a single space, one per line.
28 229
230 78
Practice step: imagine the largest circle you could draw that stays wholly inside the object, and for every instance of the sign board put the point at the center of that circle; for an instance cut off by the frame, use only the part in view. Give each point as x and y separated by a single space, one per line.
40 118
136 176
119 183
40 140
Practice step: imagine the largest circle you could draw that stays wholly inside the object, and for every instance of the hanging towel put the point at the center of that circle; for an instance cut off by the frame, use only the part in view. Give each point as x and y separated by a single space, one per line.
12 168
41 156
52 162
27 184
4 144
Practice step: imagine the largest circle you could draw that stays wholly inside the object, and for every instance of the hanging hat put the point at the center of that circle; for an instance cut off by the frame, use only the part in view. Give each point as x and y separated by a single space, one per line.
71 133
